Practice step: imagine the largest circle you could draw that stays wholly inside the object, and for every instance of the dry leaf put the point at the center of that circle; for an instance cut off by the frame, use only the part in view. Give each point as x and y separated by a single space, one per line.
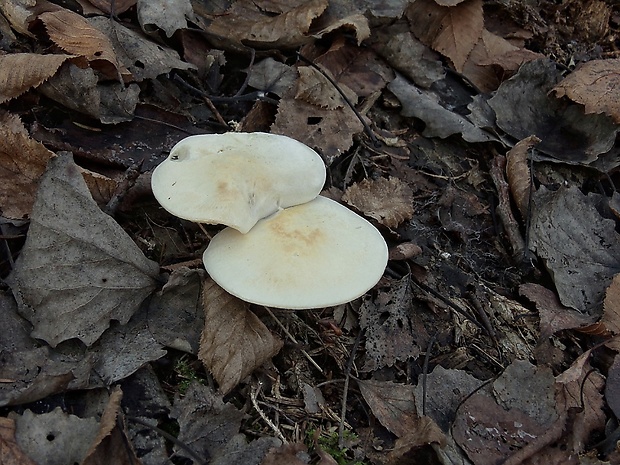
611 307
314 88
10 452
518 173
387 200
19 14
21 71
22 162
75 35
234 341
595 84
267 23
120 6
452 31
328 131
111 444
168 15
78 259
272 76
286 454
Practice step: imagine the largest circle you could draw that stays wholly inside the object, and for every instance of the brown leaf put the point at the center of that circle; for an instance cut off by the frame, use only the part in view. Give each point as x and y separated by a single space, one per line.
120 6
10 452
611 307
393 405
21 71
168 15
452 31
234 341
268 23
286 454
387 200
595 84
111 444
22 162
314 88
554 316
519 175
78 259
424 431
328 131
75 35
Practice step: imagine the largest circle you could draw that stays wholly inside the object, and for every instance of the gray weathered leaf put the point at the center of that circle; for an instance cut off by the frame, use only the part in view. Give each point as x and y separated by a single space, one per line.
78 268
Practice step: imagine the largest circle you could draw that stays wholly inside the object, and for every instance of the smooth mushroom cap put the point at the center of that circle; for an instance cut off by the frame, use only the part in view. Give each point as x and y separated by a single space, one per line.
313 255
236 179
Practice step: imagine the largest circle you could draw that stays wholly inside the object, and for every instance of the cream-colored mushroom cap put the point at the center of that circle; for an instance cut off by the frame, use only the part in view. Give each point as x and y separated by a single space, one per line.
313 255
236 179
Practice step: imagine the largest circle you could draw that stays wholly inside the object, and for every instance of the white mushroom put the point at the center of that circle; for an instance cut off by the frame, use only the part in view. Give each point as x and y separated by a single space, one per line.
313 255
236 179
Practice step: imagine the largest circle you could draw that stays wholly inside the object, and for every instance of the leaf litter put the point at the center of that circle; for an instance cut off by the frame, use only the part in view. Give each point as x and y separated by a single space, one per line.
480 138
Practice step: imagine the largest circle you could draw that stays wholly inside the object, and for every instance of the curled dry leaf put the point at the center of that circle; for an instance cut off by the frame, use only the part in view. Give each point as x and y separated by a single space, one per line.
22 71
387 200
595 84
453 31
22 162
75 35
519 175
268 23
234 341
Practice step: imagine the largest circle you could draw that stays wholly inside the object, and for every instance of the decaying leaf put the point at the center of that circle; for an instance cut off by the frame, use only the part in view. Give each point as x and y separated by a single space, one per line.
612 386
524 108
453 31
78 259
268 23
519 175
55 437
314 88
168 15
611 306
22 162
392 330
22 71
580 248
595 84
328 131
393 404
120 6
111 444
387 200
234 341
10 452
272 76
287 453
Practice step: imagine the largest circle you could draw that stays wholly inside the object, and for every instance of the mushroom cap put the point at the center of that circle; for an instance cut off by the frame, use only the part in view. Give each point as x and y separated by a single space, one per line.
236 179
313 255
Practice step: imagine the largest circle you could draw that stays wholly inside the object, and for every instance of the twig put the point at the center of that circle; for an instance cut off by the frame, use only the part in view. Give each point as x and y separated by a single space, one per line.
371 135
200 460
345 394
253 395
292 338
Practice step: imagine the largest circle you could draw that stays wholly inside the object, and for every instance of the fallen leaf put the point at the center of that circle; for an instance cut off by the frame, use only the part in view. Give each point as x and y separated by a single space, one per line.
20 72
78 259
19 15
234 341
272 76
111 444
453 31
22 162
424 432
330 132
612 386
343 15
611 307
440 121
167 15
10 452
113 6
387 200
55 437
596 85
393 332
314 88
580 248
272 24
518 173
286 454
524 108
75 35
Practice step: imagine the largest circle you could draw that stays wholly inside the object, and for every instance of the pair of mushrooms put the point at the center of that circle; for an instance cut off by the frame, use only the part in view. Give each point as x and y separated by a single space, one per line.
285 245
